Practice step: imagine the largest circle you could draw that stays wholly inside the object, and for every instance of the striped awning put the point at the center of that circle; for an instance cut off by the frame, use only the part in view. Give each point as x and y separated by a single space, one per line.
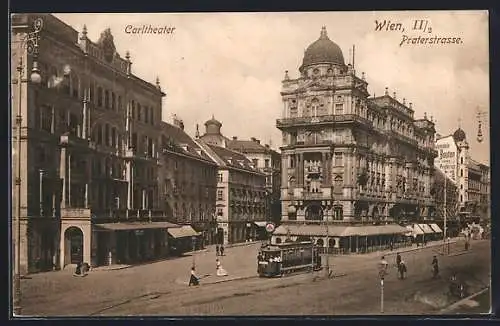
436 228
426 228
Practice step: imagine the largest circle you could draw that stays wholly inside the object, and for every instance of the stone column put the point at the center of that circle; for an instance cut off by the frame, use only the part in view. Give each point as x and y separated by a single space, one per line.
62 175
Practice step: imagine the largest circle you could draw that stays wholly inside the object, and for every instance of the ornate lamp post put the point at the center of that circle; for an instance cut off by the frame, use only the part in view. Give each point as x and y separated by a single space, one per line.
31 44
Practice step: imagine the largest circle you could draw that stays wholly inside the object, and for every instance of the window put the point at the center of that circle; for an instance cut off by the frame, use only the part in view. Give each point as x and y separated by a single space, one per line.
113 137
113 101
152 116
146 114
461 160
255 162
139 112
338 185
220 177
461 172
339 108
99 134
266 163
220 212
461 198
134 141
220 195
120 104
338 213
75 83
99 96
106 135
338 159
133 110
106 99
46 118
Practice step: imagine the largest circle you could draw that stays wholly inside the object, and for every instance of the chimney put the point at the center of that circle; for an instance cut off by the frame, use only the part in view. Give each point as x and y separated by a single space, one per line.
235 138
258 141
253 139
267 146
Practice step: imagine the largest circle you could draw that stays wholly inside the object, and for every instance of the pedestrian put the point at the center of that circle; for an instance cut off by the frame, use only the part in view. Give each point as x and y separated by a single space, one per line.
193 279
217 250
398 260
435 267
222 250
391 245
402 269
383 265
220 271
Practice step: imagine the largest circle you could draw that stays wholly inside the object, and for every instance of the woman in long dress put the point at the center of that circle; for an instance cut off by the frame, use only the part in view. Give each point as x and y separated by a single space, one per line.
220 271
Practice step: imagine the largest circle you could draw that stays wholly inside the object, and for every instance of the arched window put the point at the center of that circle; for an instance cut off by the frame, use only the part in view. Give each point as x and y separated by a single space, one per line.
461 172
461 160
278 240
320 243
331 243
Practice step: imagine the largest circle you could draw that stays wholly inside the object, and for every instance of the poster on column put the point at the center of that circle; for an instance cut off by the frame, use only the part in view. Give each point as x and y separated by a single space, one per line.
335 126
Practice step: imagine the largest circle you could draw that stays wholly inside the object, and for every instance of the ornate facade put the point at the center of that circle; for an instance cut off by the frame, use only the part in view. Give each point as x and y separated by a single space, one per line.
89 152
267 161
241 203
346 156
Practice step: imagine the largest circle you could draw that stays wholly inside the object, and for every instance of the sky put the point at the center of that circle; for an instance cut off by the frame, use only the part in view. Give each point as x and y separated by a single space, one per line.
231 65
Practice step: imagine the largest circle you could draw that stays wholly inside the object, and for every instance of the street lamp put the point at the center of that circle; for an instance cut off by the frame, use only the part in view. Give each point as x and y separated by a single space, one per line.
31 43
193 240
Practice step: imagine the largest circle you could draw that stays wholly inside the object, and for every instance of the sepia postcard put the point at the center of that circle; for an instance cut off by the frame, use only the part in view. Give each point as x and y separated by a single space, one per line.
250 164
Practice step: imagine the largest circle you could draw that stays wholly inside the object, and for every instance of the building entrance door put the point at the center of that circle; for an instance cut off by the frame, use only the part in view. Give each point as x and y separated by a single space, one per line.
74 245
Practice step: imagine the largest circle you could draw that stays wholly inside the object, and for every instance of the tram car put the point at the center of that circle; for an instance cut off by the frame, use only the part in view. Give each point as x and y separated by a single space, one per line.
289 257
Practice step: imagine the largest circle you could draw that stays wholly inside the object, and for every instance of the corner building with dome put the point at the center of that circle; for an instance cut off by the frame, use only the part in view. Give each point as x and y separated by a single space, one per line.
355 168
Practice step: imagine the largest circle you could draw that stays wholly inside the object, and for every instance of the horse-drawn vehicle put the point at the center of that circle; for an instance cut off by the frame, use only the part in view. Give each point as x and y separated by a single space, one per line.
289 257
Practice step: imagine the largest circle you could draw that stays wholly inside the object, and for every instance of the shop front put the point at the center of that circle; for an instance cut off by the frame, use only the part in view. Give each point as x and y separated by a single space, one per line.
184 239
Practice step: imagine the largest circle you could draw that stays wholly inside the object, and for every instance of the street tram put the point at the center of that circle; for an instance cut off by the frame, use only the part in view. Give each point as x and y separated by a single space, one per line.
289 257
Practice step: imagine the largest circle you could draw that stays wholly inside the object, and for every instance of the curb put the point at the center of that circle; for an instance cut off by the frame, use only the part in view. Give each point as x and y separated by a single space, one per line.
231 279
460 302
418 248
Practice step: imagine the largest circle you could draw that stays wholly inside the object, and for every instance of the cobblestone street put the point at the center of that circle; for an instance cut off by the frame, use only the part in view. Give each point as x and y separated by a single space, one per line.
59 293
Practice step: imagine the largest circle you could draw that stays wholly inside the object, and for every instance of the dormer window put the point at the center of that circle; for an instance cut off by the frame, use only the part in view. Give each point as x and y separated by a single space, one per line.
316 72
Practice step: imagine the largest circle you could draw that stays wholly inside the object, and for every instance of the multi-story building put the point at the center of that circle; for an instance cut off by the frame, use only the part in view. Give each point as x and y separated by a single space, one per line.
446 204
89 151
188 178
267 161
241 189
348 158
471 177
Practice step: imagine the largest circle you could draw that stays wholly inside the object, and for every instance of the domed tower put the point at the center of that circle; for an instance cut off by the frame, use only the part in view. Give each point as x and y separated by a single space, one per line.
213 134
462 159
323 55
325 91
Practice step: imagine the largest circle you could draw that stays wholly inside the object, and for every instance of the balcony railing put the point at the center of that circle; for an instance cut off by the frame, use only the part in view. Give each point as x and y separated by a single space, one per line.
325 119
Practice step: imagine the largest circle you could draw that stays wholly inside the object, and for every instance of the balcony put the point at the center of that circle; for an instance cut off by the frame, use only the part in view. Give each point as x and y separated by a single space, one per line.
400 137
323 120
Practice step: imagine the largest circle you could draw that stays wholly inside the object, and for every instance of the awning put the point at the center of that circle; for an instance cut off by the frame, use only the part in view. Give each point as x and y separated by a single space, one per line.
409 231
426 228
436 228
340 231
125 226
183 231
261 224
309 230
370 230
417 230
